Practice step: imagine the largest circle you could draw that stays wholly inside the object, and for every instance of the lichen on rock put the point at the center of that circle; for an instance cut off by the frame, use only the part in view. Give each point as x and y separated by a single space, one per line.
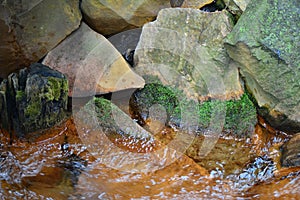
35 99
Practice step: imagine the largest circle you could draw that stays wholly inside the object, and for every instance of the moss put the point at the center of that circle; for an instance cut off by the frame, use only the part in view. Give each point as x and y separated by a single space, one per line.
54 89
240 116
20 94
33 109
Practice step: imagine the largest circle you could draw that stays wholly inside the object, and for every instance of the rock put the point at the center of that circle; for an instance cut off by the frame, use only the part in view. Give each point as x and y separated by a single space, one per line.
125 42
195 3
110 119
29 29
176 3
184 48
236 7
33 99
240 117
265 45
108 17
97 68
291 152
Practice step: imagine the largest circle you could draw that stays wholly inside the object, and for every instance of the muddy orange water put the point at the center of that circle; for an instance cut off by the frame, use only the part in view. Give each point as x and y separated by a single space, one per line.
59 166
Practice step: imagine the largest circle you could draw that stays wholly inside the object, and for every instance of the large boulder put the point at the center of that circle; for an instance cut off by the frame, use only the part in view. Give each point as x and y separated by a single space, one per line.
265 46
184 48
92 64
29 29
33 99
108 17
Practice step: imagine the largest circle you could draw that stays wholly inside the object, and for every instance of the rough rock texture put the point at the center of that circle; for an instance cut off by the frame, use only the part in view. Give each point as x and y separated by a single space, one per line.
109 119
92 64
236 6
184 48
195 3
108 17
265 46
33 99
291 152
29 29
240 117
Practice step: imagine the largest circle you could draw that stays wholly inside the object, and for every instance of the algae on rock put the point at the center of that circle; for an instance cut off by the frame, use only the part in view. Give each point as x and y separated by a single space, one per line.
265 46
34 99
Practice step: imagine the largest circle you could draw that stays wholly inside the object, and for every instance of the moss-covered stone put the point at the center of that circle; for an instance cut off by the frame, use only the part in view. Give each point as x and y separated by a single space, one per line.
101 114
265 45
36 98
240 117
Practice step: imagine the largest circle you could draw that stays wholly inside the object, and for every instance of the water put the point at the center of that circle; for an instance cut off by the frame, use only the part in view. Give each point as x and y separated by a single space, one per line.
58 166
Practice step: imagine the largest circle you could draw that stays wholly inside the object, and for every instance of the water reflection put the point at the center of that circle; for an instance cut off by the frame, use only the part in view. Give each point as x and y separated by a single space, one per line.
58 166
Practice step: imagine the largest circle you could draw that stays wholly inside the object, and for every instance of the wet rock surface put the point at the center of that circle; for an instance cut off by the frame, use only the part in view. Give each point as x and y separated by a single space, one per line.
184 48
95 69
291 152
108 17
33 99
29 29
264 44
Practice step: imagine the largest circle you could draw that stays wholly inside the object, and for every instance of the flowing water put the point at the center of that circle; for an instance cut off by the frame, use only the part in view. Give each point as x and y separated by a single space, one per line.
57 165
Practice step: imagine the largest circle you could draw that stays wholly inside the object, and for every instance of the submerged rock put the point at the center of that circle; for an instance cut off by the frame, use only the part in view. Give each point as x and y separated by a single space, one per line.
92 64
291 152
33 99
109 17
103 115
265 46
29 29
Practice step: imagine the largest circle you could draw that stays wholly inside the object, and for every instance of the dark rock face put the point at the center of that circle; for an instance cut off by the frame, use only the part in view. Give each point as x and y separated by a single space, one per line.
33 99
291 152
31 28
265 46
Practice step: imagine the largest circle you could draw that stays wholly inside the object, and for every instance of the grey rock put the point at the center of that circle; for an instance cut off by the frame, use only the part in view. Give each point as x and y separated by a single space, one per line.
265 46
29 29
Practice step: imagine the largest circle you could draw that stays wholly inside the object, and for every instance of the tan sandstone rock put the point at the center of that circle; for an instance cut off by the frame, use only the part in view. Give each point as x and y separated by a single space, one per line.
92 64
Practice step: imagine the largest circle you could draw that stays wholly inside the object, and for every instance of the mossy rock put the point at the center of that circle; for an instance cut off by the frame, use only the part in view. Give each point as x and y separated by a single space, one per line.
265 46
102 115
35 98
240 117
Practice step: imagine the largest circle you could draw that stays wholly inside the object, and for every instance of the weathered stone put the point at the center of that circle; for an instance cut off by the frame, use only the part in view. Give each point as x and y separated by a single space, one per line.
29 29
35 99
92 64
176 3
108 17
4 121
291 152
184 48
265 46
195 3
236 7
110 119
240 117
